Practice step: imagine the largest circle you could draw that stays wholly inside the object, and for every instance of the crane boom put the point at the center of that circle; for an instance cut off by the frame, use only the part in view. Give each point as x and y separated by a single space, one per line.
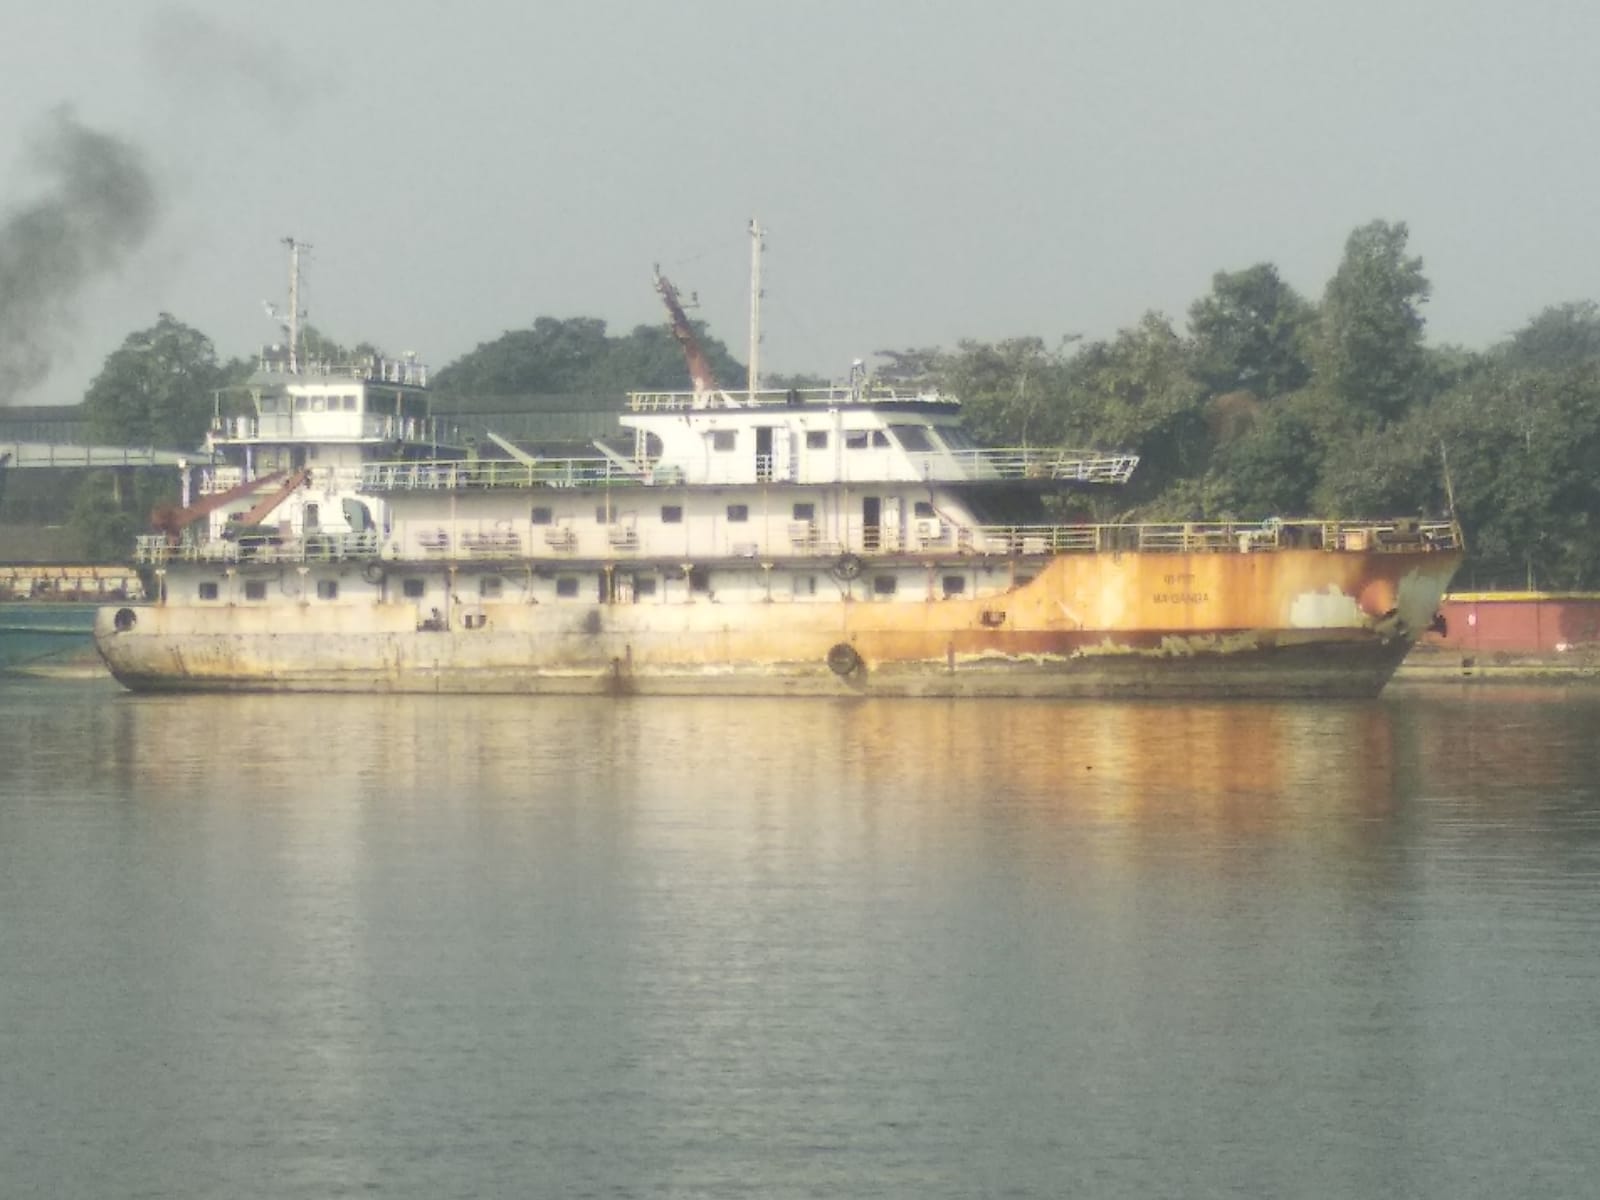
700 372
259 513
172 520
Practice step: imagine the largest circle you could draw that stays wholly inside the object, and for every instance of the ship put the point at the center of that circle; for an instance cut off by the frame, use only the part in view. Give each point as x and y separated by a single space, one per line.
846 540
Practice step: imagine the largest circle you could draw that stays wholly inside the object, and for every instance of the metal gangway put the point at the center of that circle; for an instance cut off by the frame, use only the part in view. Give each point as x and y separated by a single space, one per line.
62 454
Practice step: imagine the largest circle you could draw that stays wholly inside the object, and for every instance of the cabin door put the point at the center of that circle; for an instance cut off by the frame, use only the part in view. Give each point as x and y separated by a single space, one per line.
763 454
890 536
785 462
871 523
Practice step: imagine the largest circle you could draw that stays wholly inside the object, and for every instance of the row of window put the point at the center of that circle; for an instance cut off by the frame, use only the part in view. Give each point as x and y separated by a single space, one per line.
672 514
317 403
256 589
492 587
817 439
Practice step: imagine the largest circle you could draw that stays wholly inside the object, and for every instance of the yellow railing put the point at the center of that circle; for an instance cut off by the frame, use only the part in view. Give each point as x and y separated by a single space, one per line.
1236 537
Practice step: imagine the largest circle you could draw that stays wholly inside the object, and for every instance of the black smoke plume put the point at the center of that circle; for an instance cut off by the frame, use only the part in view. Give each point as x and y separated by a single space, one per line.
98 205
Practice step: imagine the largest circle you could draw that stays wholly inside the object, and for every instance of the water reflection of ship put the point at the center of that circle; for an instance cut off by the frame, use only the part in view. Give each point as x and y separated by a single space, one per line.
1246 765
1241 764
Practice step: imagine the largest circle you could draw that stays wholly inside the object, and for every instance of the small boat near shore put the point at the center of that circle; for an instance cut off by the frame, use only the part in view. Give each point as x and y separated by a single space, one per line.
47 637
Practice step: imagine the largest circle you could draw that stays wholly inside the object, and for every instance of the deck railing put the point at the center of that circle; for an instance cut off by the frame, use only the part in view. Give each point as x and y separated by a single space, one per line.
497 473
1190 537
1005 464
860 393
807 541
1022 462
155 550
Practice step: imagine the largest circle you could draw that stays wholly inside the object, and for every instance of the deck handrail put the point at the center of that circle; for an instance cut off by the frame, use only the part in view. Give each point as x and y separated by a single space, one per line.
155 550
1013 541
1001 464
1238 537
1025 462
871 393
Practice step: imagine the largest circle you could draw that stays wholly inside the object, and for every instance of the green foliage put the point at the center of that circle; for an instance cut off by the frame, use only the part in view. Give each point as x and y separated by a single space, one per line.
1137 392
577 355
916 367
1272 464
1011 391
100 523
157 388
1269 405
1563 335
109 508
1251 334
1369 351
318 347
1521 448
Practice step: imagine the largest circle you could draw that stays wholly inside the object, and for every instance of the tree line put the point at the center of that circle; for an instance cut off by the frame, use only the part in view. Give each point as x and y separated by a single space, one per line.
1267 403
1263 403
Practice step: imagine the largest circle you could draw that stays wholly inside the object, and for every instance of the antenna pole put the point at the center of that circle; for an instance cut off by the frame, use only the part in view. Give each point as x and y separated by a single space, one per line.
294 302
753 385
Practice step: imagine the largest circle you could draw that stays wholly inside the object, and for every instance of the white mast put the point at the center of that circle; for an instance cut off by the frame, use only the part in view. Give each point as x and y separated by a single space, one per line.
294 302
753 384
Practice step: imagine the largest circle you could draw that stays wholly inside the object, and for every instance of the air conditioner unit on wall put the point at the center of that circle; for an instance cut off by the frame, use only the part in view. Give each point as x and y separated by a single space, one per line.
930 529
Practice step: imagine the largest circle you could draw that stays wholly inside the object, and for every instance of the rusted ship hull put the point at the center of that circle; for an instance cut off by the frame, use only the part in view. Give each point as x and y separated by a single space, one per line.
1289 623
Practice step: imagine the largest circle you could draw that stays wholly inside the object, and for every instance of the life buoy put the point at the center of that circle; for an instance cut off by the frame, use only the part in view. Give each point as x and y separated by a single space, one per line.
843 659
373 572
847 567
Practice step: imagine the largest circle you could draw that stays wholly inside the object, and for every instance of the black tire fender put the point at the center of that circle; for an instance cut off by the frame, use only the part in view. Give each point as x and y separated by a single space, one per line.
843 659
847 567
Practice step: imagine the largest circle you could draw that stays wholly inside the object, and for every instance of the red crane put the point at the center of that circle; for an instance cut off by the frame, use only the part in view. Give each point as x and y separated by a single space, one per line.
700 373
172 520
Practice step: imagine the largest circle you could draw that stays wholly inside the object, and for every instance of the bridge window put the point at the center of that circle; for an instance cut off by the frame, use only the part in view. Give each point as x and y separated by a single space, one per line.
816 439
883 585
923 508
541 515
855 439
805 512
490 587
723 439
327 589
567 585
255 589
350 404
738 513
913 437
604 514
412 589
955 585
880 439
956 438
208 591
672 514
644 585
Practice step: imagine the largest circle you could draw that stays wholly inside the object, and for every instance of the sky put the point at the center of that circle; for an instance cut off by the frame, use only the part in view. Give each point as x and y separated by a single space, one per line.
926 172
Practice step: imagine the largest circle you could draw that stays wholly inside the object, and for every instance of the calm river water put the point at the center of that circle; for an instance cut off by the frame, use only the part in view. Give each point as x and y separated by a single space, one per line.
323 946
